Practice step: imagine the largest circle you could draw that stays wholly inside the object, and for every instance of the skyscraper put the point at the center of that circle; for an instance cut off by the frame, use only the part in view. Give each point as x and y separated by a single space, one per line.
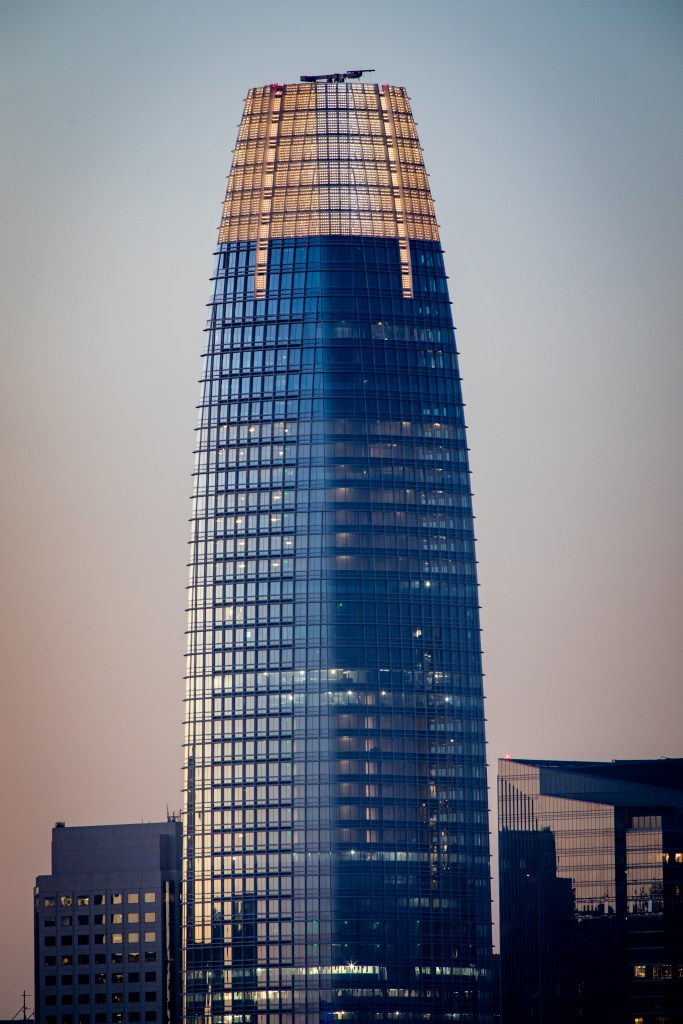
591 891
336 839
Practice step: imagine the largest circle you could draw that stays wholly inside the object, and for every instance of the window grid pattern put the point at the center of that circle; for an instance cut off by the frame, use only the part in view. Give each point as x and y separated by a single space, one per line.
336 851
591 891
328 159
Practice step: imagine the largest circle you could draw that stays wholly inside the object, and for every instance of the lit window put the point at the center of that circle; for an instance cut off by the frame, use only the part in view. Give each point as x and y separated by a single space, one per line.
83 901
150 936
133 918
133 936
639 971
66 901
150 917
116 897
150 897
117 937
133 897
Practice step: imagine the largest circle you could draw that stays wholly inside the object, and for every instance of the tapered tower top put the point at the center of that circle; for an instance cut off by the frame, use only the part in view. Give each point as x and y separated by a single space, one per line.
328 157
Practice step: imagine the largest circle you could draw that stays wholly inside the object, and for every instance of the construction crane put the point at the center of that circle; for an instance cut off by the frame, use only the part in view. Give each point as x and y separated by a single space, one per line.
339 76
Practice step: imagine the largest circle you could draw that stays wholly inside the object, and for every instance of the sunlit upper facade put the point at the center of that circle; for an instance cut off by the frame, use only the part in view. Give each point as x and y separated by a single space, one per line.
336 828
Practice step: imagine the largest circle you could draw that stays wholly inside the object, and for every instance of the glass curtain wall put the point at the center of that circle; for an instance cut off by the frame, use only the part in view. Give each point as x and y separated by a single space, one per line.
336 828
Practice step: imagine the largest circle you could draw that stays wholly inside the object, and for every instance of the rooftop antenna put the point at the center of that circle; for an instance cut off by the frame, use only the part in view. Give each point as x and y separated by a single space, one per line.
338 76
22 1010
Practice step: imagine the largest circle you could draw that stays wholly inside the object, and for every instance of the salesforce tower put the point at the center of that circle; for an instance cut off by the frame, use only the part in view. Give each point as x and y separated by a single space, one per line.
336 845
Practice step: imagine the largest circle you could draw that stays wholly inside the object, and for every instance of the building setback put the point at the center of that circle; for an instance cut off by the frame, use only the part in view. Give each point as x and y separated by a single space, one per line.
107 926
591 891
336 859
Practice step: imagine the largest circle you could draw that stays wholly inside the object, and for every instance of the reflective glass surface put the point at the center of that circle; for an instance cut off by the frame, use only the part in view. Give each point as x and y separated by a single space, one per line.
591 891
337 861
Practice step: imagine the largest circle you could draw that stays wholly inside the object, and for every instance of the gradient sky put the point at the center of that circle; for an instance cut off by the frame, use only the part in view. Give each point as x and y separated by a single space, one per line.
552 133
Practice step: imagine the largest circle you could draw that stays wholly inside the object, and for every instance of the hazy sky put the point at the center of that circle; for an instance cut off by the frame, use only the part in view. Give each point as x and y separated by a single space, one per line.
552 133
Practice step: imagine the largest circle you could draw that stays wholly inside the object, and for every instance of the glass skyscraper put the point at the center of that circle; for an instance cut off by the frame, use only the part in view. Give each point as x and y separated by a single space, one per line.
336 824
591 891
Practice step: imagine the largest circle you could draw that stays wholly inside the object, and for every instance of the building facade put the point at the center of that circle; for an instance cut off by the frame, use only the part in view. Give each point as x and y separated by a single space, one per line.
107 926
591 891
336 827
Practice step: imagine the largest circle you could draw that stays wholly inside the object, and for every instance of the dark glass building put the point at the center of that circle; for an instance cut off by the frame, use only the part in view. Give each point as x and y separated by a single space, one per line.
591 891
336 828
107 926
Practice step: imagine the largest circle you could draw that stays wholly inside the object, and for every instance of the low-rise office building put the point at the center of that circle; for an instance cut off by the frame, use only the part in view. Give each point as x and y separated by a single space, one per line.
107 925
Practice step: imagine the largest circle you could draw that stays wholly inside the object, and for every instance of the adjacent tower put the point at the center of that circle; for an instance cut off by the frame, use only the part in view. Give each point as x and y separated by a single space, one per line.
336 825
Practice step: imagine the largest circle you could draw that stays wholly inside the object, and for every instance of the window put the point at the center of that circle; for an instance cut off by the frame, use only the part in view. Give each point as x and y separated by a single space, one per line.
66 920
133 918
150 936
117 979
83 979
83 940
83 901
133 897
99 939
150 997
150 897
83 959
117 958
99 919
49 922
50 979
150 917
66 961
150 975
133 937
83 919
65 901
134 977
49 901
150 958
117 918
98 899
639 971
50 961
117 937
116 897
133 958
100 958
150 1014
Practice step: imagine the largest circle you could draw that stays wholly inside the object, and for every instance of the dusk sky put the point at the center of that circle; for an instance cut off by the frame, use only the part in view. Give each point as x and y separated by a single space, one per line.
552 134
